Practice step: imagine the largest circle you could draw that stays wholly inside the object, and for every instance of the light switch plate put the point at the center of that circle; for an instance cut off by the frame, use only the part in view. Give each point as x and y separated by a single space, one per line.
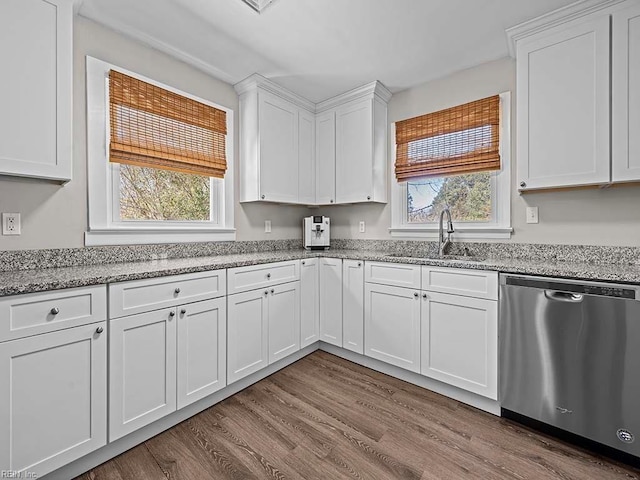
532 214
10 224
267 226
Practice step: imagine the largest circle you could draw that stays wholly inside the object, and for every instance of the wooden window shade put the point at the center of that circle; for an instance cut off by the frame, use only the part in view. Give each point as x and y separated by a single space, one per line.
462 139
153 127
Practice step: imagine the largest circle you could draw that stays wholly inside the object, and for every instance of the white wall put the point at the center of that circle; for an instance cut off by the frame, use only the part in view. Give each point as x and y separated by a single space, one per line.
55 216
588 216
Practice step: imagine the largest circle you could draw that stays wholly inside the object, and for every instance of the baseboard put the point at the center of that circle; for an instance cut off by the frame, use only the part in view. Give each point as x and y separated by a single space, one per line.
477 401
111 450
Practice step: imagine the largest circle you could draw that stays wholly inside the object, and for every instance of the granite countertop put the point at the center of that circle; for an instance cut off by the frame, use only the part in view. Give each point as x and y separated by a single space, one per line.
29 281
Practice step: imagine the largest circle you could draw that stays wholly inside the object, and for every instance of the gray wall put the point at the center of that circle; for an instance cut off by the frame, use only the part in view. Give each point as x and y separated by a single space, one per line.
55 216
585 216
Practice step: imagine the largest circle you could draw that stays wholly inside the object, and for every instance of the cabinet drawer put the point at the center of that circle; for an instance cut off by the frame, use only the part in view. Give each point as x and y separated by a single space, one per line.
33 314
470 283
396 274
243 279
137 296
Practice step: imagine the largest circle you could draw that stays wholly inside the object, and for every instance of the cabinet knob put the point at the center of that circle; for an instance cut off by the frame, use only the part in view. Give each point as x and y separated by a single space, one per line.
416 294
303 262
424 295
523 184
183 311
266 292
99 330
177 290
359 264
55 311
262 197
368 197
272 290
172 313
331 200
268 275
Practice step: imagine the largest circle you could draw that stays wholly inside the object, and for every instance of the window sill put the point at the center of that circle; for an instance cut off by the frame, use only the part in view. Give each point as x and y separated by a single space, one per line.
145 236
461 232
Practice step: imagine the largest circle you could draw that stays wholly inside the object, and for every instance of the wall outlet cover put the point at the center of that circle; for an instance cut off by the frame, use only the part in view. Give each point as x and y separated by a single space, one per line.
267 226
362 227
532 214
11 224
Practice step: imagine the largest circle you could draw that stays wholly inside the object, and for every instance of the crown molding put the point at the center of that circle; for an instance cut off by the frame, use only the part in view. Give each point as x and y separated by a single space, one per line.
256 80
373 89
555 18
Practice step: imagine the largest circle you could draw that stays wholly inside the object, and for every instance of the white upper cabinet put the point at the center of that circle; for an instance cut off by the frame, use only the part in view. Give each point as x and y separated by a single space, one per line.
563 106
326 157
578 96
626 94
36 88
337 149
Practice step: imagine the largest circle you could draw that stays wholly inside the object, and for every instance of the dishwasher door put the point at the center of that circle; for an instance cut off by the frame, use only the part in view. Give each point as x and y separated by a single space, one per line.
570 357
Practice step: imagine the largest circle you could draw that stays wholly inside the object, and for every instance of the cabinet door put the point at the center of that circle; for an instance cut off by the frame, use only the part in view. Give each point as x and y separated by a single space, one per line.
309 302
306 158
392 325
142 370
326 157
53 406
354 152
353 305
460 342
331 301
626 95
247 333
284 320
278 149
201 350
35 91
563 106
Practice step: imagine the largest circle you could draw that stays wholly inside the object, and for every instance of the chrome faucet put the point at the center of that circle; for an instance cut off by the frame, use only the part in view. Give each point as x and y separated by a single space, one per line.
445 242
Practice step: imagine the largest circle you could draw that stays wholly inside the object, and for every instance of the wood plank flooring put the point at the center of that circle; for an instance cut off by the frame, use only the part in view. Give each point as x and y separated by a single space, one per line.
326 418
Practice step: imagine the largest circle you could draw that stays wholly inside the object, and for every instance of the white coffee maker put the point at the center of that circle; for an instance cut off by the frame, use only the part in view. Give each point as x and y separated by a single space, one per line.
316 232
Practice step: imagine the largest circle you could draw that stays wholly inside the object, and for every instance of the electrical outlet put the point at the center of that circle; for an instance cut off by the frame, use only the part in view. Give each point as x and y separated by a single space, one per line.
362 228
11 224
532 214
267 226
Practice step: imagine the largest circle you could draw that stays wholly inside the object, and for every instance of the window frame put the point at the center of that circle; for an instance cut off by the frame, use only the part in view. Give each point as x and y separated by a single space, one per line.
103 178
499 228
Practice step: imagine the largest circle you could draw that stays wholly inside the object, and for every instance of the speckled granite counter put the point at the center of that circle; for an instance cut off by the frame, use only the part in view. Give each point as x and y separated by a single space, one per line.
29 281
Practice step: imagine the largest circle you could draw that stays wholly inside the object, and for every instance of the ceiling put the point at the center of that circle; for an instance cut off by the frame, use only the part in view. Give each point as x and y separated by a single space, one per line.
320 48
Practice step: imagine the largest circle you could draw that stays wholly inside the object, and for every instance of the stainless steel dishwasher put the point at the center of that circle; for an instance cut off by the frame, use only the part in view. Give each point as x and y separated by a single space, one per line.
570 357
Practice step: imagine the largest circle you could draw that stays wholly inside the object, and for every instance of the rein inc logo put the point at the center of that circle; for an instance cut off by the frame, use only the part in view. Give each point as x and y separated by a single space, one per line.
17 474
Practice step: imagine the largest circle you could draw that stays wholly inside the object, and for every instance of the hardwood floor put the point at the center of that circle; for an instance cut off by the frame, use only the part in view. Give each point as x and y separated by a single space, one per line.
326 418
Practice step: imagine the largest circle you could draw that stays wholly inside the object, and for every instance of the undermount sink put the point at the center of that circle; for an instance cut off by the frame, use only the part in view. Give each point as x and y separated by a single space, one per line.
449 258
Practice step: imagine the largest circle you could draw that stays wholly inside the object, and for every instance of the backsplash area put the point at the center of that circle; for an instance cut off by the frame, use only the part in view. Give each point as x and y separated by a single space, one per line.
48 258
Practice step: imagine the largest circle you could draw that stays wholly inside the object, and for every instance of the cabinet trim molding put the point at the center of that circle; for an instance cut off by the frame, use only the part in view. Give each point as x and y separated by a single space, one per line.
258 81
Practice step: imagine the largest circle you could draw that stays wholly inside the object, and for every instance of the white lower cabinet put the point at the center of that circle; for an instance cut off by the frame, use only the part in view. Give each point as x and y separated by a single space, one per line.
353 305
459 342
392 325
142 375
331 301
201 350
53 406
309 302
247 333
284 320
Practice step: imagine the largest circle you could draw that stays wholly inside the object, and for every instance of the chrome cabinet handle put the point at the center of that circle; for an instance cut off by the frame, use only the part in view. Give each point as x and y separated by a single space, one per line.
183 311
268 275
262 197
266 292
424 295
331 200
303 262
369 197
177 290
55 311
99 330
416 294
272 290
523 184
359 264
172 313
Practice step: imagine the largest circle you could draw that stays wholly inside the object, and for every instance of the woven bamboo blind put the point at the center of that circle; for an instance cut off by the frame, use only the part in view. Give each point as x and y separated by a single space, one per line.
462 139
153 127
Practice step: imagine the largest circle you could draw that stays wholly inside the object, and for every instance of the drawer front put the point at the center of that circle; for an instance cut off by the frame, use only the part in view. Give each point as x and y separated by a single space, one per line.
470 283
33 314
138 296
243 279
396 274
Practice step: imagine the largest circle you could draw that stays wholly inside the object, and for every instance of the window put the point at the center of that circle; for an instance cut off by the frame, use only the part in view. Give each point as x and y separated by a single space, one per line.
458 159
159 162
